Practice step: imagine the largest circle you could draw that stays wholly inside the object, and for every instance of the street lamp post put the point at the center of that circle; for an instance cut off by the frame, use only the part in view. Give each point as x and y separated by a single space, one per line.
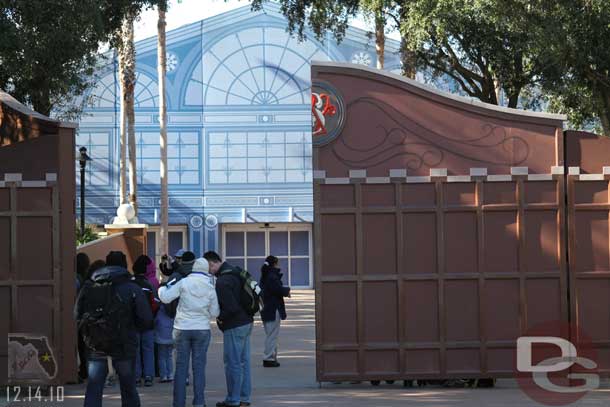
83 158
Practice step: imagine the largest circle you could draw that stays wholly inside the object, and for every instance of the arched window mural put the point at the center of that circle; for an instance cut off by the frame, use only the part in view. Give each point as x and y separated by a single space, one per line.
146 92
257 66
103 94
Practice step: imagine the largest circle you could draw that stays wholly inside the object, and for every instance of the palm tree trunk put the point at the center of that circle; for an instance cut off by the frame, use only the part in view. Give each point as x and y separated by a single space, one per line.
129 96
380 36
161 71
123 135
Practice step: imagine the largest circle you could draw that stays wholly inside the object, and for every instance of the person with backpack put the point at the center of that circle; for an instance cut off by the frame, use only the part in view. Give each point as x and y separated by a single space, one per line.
235 321
110 312
95 266
198 306
145 354
274 309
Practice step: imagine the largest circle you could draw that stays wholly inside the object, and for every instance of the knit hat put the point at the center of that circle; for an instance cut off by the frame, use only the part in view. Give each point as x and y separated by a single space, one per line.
188 257
201 265
116 258
179 254
139 266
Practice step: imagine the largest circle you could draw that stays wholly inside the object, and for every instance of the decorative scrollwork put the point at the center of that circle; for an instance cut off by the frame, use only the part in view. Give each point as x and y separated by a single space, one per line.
422 146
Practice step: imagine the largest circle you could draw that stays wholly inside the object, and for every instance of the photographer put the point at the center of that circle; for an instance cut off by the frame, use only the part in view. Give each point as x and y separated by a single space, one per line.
169 265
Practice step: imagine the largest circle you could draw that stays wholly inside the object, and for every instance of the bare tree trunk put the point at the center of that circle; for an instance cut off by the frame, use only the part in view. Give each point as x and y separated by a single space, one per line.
407 56
161 72
380 37
498 91
407 59
604 112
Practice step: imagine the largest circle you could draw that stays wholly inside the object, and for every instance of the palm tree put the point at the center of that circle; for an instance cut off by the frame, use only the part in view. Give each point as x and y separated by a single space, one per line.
123 135
161 71
127 74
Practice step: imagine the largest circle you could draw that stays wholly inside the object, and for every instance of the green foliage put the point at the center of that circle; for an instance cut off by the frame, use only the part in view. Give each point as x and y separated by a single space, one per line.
48 48
378 9
320 15
484 45
575 43
89 234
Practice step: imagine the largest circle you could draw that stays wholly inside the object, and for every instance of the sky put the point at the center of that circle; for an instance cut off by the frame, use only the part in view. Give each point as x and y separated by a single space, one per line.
182 12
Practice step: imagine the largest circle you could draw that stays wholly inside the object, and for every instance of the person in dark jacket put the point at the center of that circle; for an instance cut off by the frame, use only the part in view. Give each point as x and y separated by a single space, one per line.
82 348
139 318
274 309
82 266
236 326
145 354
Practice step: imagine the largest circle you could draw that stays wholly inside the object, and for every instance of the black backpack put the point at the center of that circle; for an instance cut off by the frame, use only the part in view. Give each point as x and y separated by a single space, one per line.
105 319
250 293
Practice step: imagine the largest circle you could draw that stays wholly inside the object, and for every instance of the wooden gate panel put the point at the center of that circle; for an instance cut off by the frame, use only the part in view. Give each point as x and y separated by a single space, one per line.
388 292
589 227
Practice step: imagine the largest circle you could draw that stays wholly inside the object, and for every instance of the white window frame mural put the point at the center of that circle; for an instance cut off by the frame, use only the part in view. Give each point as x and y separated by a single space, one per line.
285 264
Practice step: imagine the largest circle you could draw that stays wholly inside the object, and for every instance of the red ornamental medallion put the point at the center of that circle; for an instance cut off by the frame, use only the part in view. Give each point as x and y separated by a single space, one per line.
321 107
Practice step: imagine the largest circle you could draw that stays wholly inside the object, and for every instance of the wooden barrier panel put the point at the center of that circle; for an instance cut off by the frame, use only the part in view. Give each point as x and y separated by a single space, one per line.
37 247
99 249
589 228
435 279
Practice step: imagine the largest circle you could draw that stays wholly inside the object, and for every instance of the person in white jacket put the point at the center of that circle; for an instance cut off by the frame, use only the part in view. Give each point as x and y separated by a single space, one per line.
197 306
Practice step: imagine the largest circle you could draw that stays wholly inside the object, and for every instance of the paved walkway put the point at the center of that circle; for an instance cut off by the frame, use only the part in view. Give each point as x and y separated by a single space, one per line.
293 384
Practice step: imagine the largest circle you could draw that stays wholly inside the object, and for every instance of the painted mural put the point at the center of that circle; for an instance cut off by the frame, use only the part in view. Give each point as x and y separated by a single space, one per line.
239 114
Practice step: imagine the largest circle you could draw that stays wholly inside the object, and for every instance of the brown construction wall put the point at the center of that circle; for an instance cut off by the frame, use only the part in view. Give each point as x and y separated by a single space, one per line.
439 230
98 249
129 240
37 242
590 152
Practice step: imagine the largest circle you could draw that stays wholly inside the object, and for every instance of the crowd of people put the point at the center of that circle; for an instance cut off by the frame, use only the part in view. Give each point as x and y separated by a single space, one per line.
140 325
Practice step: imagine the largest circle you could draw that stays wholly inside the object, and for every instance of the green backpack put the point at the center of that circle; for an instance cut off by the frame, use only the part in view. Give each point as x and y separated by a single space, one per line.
250 296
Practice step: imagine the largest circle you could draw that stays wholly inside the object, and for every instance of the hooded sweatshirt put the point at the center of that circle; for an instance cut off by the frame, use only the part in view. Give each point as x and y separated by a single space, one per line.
198 303
151 275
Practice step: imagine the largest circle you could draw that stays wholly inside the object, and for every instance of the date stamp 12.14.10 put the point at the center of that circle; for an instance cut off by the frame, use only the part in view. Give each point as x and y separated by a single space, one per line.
47 396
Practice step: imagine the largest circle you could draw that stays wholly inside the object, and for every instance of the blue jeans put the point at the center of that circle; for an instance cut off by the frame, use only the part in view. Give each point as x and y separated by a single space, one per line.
166 364
197 343
237 364
145 354
98 370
